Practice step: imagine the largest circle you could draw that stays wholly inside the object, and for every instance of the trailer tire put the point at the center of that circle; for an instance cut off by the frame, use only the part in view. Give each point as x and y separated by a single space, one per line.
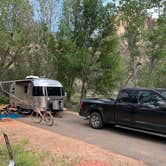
19 110
24 111
27 111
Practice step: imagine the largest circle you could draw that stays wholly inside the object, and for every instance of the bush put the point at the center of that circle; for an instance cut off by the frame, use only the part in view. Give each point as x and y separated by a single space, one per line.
4 100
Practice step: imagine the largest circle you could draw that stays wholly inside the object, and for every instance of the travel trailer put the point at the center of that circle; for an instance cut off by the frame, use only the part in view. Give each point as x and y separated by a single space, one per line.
35 91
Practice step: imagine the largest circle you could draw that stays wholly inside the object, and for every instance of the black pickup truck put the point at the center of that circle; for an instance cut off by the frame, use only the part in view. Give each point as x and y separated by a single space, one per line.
141 109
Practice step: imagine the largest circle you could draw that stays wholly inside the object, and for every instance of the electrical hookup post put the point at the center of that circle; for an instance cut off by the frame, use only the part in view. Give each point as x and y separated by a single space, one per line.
10 152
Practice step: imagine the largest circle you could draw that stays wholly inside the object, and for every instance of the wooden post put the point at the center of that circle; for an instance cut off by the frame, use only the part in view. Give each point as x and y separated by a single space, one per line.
11 156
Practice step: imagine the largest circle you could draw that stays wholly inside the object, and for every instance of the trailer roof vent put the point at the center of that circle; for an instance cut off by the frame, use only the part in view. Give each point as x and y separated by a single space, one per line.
31 77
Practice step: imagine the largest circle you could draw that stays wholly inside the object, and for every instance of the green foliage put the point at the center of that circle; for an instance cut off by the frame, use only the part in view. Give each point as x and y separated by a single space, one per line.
25 157
22 157
111 67
156 46
153 73
4 100
133 17
86 47
68 65
156 79
14 30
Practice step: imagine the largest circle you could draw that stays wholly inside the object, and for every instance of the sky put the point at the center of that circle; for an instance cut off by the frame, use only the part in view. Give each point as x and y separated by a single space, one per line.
58 11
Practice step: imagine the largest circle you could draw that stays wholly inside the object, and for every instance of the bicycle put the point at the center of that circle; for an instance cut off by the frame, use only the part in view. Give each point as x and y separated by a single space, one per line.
39 116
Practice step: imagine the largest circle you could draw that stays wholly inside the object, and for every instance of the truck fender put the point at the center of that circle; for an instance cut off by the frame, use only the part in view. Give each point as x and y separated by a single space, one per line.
96 108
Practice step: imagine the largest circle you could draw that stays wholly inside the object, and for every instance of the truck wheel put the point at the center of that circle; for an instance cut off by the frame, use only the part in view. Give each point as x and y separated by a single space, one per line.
96 120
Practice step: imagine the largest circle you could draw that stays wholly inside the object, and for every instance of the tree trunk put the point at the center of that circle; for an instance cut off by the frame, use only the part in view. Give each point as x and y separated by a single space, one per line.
83 89
151 65
151 69
134 71
68 100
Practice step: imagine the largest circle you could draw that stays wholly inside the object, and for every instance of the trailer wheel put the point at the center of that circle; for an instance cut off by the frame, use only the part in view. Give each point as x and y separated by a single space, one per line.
24 111
27 111
19 110
96 120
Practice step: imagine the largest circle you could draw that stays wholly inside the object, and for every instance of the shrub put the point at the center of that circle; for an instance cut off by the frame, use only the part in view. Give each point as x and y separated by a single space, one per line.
4 100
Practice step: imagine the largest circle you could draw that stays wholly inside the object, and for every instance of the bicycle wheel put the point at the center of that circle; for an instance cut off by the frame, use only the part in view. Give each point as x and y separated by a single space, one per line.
49 119
36 117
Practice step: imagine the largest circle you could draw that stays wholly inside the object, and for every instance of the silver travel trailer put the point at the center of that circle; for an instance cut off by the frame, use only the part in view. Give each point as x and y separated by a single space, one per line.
35 91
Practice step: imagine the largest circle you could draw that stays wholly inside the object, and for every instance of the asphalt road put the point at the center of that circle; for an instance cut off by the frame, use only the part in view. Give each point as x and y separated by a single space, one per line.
147 148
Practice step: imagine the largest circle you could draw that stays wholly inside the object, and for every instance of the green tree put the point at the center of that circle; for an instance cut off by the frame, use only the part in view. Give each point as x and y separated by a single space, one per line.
133 14
153 73
14 24
90 27
68 63
67 56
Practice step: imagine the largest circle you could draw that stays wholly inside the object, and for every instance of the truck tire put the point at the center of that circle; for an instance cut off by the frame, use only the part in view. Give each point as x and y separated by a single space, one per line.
96 120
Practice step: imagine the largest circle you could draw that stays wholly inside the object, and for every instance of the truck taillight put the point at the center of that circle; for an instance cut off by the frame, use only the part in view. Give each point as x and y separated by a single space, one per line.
81 105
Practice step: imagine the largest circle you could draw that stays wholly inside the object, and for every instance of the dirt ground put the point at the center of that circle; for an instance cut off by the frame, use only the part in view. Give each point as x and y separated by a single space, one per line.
40 140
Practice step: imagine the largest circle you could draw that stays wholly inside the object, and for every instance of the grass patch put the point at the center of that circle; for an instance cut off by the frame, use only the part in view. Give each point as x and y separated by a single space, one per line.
56 160
74 108
24 157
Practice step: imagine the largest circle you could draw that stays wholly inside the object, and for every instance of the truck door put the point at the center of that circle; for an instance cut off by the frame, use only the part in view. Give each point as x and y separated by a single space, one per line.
125 107
151 111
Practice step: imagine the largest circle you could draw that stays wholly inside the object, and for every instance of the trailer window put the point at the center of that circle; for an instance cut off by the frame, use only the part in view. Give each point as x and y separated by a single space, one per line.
55 91
38 91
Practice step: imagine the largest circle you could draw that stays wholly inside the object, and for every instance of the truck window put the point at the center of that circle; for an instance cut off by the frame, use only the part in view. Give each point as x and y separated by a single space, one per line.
128 96
163 92
149 98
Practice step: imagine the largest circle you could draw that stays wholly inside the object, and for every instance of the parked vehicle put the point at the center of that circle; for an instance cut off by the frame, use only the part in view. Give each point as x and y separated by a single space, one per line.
33 90
143 109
